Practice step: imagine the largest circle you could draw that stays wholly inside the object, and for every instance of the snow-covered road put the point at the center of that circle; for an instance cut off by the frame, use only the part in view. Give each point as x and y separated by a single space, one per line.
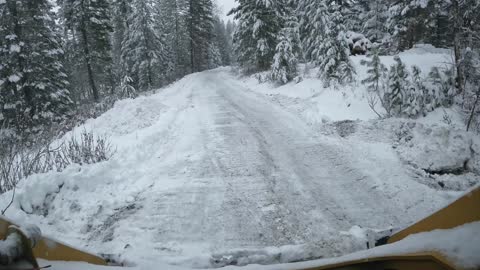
209 173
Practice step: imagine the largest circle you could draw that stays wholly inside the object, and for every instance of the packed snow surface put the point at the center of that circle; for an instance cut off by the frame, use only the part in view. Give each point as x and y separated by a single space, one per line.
215 171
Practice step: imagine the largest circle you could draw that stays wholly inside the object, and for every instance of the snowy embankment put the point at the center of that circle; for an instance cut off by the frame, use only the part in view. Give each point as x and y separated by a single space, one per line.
214 171
437 147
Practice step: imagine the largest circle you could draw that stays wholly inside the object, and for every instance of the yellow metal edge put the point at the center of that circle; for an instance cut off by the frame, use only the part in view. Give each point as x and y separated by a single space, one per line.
49 249
368 263
462 211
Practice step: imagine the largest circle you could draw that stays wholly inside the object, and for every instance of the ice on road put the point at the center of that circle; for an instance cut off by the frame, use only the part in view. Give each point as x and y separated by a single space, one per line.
207 172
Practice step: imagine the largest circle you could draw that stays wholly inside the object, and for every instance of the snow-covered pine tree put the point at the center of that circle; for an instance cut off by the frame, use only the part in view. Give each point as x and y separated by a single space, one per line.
439 31
397 26
230 30
121 9
11 70
214 56
313 20
256 34
376 72
200 33
170 17
33 83
142 49
397 83
222 41
375 17
127 90
288 50
349 10
413 97
88 23
333 56
375 81
411 21
441 87
432 94
465 16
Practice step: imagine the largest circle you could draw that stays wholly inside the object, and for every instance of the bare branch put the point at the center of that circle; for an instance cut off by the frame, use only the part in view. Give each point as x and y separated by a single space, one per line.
11 201
474 108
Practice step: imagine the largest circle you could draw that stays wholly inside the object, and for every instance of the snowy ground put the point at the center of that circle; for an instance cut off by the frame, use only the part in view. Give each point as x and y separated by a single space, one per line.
216 170
436 147
463 253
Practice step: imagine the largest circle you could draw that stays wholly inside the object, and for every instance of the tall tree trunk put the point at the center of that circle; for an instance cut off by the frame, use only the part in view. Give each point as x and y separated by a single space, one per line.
192 43
177 43
26 88
457 29
86 51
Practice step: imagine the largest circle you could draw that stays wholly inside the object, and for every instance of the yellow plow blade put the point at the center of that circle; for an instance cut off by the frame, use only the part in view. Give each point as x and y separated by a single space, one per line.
51 250
462 211
418 261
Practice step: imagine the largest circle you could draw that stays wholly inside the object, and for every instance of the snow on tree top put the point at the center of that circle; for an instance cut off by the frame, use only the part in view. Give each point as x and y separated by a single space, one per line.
14 48
14 78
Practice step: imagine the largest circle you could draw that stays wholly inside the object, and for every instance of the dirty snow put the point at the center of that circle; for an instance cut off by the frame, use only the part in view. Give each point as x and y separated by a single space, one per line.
217 170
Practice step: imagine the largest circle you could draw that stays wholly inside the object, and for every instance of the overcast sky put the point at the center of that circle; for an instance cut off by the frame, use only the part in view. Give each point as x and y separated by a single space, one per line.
226 6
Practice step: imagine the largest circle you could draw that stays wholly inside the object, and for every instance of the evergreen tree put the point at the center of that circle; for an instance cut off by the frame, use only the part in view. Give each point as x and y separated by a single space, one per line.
414 95
12 103
127 90
375 80
313 26
442 88
222 41
121 11
397 83
288 50
142 49
376 72
256 33
214 56
200 33
171 18
89 25
348 9
439 33
230 30
374 19
333 57
33 82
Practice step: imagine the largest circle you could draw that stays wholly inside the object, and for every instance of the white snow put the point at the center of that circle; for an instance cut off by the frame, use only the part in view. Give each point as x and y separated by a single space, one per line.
11 36
14 78
218 170
317 104
436 142
14 48
462 252
459 245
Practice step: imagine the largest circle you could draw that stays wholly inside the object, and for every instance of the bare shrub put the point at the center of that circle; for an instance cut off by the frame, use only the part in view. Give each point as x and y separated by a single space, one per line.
88 149
18 162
